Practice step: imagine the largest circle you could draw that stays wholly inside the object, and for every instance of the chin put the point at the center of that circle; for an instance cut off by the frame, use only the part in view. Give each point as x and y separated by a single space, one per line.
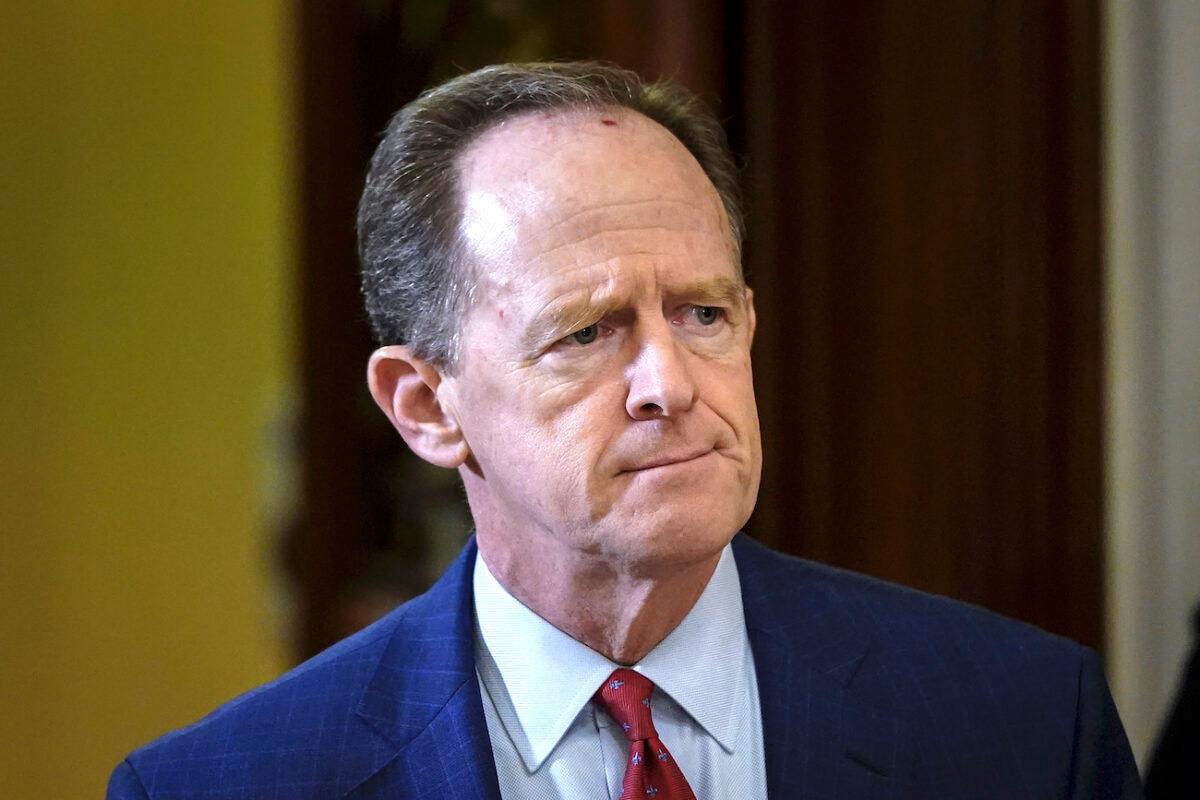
669 537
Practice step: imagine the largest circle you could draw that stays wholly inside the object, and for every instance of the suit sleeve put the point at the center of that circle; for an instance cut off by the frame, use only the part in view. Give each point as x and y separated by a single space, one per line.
1102 763
125 784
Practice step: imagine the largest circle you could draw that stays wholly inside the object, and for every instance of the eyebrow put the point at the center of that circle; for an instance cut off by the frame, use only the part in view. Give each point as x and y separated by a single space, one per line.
717 291
582 308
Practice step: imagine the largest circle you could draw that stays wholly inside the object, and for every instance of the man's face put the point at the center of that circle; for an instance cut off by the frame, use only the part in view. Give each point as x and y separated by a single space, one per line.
603 383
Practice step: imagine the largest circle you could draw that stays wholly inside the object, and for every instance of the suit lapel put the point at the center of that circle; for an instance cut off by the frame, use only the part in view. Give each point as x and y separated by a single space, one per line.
820 739
424 699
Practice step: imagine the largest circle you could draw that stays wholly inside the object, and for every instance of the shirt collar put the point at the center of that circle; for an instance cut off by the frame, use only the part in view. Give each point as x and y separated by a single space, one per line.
702 663
539 677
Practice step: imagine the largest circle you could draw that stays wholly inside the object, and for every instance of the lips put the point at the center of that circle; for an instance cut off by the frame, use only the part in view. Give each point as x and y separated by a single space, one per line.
668 460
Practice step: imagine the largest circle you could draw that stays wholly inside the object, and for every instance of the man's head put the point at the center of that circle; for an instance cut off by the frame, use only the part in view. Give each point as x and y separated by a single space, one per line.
415 280
599 400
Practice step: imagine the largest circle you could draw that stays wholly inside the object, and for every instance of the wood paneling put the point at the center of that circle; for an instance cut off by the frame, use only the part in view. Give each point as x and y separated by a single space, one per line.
925 244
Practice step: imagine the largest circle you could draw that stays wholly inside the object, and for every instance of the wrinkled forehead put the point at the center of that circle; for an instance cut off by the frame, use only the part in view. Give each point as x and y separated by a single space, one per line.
545 174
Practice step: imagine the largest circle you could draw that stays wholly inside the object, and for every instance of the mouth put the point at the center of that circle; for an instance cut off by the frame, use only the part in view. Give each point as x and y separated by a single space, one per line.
669 461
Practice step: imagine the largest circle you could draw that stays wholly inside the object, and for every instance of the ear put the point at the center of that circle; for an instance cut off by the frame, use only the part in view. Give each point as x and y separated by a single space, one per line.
751 319
406 389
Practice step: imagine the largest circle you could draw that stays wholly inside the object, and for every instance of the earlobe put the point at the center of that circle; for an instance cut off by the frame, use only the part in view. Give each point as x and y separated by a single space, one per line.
406 389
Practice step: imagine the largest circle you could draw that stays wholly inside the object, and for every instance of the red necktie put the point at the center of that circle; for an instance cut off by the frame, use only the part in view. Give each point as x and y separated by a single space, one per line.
650 770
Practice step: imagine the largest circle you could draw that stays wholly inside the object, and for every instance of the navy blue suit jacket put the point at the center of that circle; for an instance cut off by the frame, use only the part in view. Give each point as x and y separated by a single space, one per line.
868 690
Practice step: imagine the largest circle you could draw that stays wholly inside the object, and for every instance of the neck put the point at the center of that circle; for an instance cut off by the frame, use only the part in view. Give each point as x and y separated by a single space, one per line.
620 611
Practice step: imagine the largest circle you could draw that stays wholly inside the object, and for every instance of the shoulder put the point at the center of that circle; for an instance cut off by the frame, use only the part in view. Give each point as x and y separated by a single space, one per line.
331 722
287 726
942 665
962 684
897 620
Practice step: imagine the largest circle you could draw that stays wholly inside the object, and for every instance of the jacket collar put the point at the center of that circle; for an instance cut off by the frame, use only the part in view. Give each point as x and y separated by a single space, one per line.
821 737
424 698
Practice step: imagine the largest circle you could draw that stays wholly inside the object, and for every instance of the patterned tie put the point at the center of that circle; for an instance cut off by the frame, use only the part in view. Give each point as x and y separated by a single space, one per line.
650 771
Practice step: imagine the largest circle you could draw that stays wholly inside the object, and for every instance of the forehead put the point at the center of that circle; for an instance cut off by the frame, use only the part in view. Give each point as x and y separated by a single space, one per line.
552 190
541 148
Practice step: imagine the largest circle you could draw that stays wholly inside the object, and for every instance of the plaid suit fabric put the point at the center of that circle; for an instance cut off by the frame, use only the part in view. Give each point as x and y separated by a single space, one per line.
868 690
891 692
395 705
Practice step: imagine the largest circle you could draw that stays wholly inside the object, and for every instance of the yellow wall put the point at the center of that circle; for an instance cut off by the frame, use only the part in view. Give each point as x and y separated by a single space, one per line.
145 263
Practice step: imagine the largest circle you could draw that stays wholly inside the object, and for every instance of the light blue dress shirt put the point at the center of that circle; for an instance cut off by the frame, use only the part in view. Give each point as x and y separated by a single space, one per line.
550 741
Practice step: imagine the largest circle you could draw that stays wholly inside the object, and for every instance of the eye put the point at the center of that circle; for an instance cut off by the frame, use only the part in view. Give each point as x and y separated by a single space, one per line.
586 335
706 315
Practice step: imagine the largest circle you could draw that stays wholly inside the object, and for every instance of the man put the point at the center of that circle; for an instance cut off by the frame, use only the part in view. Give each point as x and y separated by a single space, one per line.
551 261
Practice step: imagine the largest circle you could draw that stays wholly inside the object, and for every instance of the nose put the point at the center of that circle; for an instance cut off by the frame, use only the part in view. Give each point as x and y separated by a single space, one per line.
660 383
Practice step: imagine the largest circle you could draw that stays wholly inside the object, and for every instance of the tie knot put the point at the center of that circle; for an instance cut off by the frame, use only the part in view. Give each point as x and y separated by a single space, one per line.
626 698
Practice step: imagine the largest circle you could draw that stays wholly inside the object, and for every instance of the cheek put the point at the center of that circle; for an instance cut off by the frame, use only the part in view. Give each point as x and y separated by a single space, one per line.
572 396
722 363
553 404
539 420
730 393
549 466
555 386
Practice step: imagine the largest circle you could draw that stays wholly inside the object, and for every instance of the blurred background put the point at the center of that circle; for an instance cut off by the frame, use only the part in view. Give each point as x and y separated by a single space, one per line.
974 236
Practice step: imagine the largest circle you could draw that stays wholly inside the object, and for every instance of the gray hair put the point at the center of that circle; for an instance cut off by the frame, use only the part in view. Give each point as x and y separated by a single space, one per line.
414 283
